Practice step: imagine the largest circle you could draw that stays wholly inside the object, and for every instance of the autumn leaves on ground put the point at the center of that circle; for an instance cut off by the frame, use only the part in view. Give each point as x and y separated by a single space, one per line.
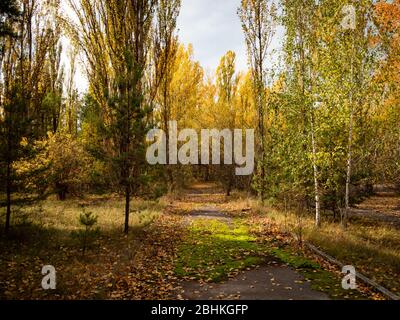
180 247
86 186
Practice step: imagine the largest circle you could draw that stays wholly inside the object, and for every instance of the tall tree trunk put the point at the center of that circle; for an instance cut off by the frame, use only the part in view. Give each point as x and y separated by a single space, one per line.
261 95
262 144
127 208
350 143
316 182
166 115
258 19
8 191
349 167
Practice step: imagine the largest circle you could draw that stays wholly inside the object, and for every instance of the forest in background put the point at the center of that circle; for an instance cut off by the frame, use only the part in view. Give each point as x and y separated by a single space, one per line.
326 109
326 116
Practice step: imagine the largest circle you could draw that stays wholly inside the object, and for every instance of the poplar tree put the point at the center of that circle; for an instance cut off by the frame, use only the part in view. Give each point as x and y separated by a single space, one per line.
259 19
115 37
227 83
165 52
26 73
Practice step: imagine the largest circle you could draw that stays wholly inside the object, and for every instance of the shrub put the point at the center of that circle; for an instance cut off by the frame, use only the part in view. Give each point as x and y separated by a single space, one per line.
69 165
87 235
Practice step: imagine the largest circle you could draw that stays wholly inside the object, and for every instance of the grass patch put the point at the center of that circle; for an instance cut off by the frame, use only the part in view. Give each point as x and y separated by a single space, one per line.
43 235
214 250
63 216
373 248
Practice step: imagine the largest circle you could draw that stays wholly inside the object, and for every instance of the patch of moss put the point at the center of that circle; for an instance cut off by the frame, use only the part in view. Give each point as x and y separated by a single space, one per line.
215 249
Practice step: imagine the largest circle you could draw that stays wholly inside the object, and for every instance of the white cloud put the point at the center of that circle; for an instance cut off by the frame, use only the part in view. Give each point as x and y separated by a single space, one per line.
213 27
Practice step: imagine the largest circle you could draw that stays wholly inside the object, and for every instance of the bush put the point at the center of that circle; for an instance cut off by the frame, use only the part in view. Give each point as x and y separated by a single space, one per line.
69 165
88 234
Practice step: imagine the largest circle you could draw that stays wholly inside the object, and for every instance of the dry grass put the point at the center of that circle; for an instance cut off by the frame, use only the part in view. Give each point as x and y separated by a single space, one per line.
372 247
64 216
374 250
118 266
115 266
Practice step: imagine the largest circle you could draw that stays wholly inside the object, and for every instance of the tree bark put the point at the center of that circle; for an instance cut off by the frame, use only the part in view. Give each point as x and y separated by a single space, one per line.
316 182
350 145
8 191
127 208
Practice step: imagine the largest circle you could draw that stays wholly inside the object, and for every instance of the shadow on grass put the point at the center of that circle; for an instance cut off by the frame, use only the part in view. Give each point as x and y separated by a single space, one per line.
29 246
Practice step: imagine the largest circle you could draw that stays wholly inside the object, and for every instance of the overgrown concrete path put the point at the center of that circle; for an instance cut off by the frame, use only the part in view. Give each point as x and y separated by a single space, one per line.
383 206
271 280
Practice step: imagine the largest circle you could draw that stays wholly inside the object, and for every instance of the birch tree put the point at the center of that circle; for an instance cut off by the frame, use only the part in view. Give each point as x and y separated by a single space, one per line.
301 48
